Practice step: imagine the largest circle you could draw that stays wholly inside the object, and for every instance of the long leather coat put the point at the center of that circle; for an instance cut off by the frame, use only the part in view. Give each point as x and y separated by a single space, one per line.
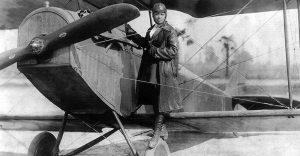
159 68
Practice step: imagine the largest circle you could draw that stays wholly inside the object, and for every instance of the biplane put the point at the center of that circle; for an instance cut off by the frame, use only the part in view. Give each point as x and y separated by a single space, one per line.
95 85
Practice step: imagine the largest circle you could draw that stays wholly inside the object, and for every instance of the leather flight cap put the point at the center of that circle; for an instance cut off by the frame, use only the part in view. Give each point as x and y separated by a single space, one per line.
159 7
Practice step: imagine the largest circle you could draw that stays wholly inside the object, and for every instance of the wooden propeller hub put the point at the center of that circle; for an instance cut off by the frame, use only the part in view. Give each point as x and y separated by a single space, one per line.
37 45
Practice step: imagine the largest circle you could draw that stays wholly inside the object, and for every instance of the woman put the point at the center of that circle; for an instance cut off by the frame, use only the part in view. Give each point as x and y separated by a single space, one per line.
158 85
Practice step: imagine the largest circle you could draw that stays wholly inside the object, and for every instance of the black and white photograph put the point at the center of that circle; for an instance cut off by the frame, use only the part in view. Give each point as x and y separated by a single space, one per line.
149 77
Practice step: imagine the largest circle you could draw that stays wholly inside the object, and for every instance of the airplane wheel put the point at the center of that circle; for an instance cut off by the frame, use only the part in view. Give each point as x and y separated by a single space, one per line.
42 145
161 149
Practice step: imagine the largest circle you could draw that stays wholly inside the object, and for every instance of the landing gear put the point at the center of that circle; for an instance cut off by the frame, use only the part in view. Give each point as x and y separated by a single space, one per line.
42 145
161 149
45 144
134 152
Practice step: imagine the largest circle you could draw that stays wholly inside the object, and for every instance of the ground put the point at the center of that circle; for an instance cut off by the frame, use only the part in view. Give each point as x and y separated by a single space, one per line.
16 143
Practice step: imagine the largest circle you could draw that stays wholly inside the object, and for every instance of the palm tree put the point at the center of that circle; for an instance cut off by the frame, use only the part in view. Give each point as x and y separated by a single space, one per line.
228 45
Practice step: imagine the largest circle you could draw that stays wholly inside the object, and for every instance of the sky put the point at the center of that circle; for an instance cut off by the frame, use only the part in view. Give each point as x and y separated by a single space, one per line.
261 33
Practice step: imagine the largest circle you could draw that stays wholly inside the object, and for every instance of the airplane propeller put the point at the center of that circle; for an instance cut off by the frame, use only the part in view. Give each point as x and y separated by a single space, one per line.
96 23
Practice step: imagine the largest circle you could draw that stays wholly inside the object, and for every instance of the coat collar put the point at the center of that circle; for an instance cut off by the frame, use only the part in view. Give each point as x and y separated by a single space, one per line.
165 24
156 32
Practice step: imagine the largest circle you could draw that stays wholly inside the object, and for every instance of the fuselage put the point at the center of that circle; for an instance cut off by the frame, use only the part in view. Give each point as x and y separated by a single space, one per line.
98 74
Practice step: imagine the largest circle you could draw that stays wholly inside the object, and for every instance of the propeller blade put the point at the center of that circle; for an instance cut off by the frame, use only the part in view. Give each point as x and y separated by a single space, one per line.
9 57
94 24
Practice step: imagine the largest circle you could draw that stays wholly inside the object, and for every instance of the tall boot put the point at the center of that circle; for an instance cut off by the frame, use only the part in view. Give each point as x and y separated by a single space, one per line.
157 130
164 132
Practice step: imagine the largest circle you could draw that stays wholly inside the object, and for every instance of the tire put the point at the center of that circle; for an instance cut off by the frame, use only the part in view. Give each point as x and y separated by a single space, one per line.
42 145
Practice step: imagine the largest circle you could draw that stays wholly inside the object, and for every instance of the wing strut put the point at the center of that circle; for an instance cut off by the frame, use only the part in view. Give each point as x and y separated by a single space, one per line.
60 135
287 52
150 18
122 129
298 8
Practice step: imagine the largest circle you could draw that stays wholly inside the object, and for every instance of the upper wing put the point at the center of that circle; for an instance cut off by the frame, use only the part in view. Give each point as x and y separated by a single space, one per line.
13 11
203 8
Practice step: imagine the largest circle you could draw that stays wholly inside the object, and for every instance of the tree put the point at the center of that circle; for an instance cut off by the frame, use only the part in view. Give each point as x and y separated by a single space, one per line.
229 45
182 34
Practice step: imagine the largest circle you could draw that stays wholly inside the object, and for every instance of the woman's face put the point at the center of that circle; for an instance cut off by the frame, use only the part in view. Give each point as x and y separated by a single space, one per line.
159 17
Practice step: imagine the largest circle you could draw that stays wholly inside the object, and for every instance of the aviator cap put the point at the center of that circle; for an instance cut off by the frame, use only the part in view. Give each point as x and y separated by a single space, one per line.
159 7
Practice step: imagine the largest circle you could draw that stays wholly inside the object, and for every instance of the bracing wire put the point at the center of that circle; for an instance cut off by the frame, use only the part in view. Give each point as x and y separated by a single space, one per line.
202 46
190 79
13 77
247 39
82 135
107 40
246 78
75 140
15 138
236 50
94 129
239 47
229 21
250 59
211 38
25 93
218 14
12 136
243 43
191 90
